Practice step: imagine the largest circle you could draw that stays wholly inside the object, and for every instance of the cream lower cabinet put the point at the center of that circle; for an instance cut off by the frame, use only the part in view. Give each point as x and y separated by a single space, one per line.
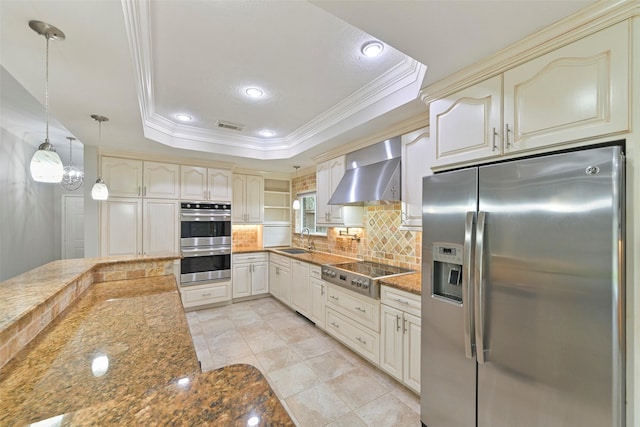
400 336
318 291
133 226
280 278
354 320
250 274
300 287
197 296
572 94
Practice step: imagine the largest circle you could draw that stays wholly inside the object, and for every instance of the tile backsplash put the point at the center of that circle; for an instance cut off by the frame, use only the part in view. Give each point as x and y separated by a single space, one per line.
381 239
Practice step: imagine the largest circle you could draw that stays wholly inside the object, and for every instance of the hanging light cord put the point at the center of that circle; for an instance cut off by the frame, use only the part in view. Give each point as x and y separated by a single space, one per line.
46 90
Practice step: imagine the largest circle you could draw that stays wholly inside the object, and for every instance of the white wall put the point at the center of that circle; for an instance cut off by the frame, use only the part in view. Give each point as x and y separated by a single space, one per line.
27 224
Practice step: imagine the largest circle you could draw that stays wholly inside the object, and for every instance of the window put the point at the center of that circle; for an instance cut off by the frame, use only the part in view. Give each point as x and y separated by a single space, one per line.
306 215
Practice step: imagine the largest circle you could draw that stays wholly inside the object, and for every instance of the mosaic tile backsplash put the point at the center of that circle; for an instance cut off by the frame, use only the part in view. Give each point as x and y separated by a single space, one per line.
381 239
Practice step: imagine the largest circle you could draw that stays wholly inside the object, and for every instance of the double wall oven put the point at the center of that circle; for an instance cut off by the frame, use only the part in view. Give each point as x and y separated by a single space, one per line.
205 242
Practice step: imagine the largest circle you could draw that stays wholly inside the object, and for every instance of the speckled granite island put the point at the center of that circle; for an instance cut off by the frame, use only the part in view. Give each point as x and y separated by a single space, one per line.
122 355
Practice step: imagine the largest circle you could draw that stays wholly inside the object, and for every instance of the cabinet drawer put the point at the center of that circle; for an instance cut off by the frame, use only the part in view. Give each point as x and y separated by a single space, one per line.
250 257
314 271
359 308
281 260
401 300
353 335
205 294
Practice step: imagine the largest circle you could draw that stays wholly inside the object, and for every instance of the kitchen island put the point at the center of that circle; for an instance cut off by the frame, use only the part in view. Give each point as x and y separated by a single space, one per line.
122 354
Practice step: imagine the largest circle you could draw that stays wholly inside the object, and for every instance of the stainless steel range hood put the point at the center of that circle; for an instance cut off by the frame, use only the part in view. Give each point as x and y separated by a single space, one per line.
373 174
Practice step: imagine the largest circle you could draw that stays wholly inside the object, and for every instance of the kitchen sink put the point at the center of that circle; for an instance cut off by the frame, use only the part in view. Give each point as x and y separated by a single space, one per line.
293 251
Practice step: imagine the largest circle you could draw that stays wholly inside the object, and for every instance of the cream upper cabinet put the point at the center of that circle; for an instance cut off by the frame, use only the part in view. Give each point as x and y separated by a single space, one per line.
248 199
572 94
418 154
122 176
575 92
137 178
161 180
466 125
328 176
199 183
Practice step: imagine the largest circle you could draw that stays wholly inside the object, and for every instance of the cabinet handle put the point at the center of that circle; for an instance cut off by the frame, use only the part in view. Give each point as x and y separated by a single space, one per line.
277 270
321 290
206 295
397 322
506 136
209 194
335 324
405 326
362 310
144 191
139 190
495 133
361 340
401 301
334 297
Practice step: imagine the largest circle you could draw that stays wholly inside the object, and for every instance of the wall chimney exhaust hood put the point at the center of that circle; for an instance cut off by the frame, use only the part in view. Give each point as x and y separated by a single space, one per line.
373 174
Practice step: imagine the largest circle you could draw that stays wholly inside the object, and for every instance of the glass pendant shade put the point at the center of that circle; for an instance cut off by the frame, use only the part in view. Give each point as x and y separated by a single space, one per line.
72 177
296 204
99 190
46 165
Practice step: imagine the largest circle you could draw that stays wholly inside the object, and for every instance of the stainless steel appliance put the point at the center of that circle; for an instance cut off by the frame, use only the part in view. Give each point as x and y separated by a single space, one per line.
205 242
361 276
523 293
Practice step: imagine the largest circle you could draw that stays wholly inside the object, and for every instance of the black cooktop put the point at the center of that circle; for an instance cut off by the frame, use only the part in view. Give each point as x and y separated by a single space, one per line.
370 269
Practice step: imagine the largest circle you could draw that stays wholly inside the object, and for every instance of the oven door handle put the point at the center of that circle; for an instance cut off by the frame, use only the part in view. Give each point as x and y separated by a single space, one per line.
212 216
195 252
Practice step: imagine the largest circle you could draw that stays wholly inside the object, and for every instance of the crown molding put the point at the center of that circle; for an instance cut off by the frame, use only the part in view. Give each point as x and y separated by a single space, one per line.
394 88
582 23
414 123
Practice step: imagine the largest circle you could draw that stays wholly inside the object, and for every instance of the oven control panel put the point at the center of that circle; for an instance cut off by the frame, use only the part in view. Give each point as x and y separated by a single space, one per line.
354 282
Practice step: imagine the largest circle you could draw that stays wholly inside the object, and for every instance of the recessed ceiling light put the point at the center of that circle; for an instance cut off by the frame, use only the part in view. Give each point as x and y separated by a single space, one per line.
254 92
372 49
267 133
184 117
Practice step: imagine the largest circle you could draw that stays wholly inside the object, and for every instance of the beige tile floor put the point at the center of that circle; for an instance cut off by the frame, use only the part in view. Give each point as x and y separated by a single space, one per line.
319 381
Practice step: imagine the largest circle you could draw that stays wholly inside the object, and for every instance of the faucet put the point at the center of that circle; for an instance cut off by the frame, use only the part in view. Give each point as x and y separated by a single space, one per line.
308 237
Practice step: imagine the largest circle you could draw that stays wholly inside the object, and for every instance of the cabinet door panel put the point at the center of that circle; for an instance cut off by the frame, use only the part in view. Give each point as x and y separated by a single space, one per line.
121 227
161 227
463 124
254 199
300 291
318 301
578 91
391 345
239 197
219 185
241 280
193 183
122 176
418 154
161 180
259 279
411 374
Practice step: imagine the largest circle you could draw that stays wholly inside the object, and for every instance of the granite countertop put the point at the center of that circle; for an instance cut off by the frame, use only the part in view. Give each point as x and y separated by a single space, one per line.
312 257
408 282
122 354
23 293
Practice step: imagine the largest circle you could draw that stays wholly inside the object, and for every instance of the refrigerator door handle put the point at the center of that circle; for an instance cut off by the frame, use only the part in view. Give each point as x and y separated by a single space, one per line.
479 287
467 287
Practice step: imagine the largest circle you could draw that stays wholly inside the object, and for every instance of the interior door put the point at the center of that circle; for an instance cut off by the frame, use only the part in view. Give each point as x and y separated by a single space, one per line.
553 325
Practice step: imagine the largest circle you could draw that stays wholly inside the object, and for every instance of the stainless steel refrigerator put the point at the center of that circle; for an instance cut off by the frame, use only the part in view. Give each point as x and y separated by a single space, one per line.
523 293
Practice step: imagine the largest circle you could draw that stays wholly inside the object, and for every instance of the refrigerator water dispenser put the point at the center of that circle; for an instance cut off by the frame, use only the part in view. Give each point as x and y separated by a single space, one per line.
447 271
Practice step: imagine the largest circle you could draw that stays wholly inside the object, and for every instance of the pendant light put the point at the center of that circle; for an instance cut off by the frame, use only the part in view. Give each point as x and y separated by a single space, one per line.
46 165
72 178
99 190
296 202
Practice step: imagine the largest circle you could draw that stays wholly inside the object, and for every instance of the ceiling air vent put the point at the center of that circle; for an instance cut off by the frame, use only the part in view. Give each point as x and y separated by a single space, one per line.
229 125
